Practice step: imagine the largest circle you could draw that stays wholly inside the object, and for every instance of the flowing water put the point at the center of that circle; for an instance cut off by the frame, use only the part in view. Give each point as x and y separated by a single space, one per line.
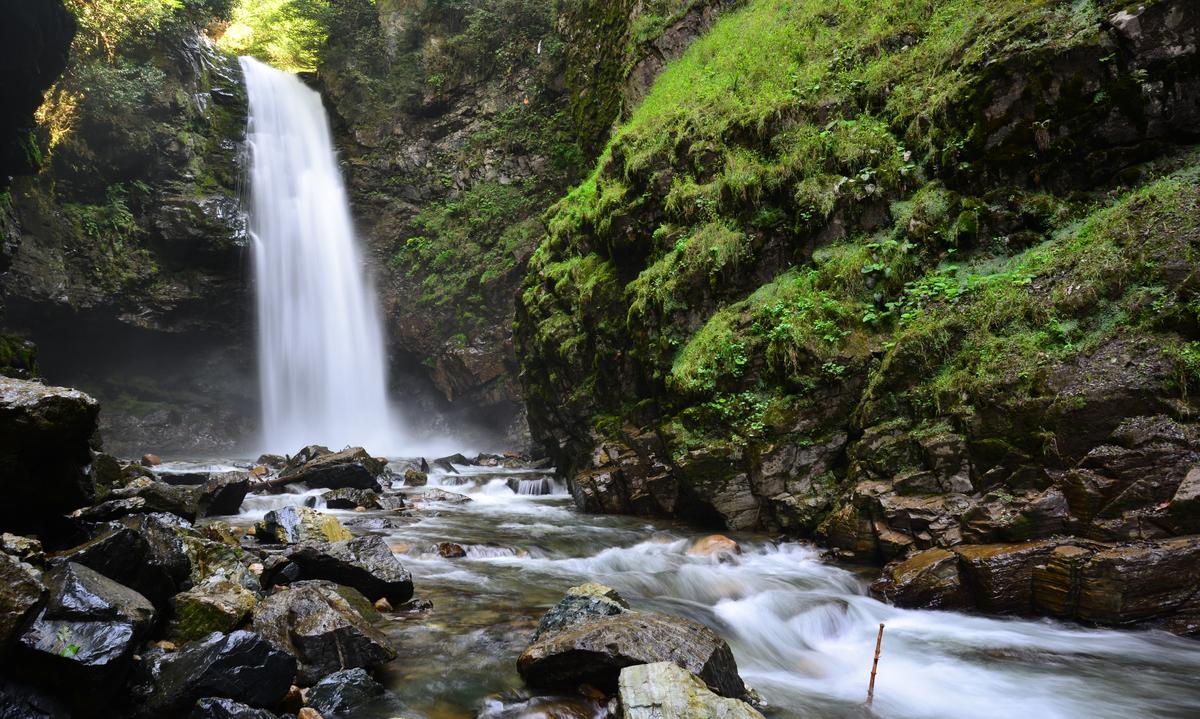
322 364
802 629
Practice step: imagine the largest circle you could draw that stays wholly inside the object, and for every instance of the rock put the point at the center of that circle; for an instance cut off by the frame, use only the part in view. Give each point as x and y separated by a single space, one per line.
290 525
351 499
217 605
444 466
456 458
364 563
21 701
210 708
241 666
292 701
26 549
433 494
161 497
86 634
1184 508
1122 585
927 579
45 449
151 460
223 494
22 595
391 502
450 550
342 692
580 604
350 468
595 651
663 689
309 713
999 577
143 552
714 545
415 478
325 631
383 605
210 559
274 461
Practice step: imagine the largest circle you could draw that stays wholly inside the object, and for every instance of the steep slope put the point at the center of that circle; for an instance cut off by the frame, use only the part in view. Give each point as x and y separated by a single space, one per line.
899 275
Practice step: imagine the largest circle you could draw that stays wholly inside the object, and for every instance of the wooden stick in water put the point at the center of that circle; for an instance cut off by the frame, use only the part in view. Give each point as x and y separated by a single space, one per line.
875 667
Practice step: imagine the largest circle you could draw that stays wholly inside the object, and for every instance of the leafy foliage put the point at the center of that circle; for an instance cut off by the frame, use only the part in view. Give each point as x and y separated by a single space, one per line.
288 34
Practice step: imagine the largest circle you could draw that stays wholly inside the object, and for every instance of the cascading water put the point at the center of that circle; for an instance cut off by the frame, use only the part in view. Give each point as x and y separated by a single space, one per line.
321 353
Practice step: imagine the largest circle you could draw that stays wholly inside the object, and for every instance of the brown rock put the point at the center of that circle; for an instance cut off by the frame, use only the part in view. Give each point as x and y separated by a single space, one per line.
151 460
714 544
309 713
292 702
383 605
999 577
1134 583
449 550
1056 581
926 579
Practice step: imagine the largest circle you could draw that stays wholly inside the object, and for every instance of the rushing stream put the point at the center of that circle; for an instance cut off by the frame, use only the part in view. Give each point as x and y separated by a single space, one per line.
802 629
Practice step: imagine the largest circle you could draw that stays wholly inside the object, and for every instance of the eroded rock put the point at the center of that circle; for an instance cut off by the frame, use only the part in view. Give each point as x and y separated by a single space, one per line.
663 689
364 563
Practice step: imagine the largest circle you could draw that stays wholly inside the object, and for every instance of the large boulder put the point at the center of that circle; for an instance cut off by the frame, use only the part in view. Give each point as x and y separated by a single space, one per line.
21 596
595 650
322 625
926 579
342 693
22 701
156 496
352 468
45 449
663 689
86 635
218 605
349 498
364 563
227 709
143 551
241 666
291 525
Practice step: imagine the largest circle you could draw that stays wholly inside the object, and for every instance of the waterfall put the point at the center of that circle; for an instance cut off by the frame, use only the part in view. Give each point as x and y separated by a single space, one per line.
321 352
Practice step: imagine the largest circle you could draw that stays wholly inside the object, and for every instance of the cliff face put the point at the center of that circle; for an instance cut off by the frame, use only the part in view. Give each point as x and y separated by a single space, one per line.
128 270
901 278
460 124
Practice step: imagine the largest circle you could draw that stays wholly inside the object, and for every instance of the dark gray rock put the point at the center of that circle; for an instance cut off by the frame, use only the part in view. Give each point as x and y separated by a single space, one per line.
21 701
321 626
161 497
587 601
142 551
348 498
223 494
595 651
352 468
227 709
290 525
364 563
241 666
341 693
45 449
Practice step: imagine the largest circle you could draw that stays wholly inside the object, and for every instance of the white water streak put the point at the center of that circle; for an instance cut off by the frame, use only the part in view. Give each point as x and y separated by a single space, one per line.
321 351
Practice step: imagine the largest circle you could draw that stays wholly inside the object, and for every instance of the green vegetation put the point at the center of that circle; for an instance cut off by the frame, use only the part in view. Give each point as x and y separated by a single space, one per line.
806 205
288 34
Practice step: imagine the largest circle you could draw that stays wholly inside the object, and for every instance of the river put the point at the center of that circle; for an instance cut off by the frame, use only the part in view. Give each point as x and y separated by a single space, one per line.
802 628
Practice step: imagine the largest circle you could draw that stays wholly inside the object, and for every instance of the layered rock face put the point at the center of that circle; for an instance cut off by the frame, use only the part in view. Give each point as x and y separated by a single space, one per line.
898 308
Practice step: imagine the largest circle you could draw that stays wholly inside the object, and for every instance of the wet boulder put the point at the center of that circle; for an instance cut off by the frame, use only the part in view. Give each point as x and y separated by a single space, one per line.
450 550
241 666
323 626
714 545
595 651
928 579
21 597
86 634
218 560
663 689
348 498
415 478
341 693
26 549
45 451
291 525
587 601
222 494
1150 580
999 577
433 494
143 552
364 563
211 708
217 605
160 497
350 468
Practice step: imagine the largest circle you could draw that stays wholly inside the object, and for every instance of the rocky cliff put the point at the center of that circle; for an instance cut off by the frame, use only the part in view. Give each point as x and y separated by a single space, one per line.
130 243
905 278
